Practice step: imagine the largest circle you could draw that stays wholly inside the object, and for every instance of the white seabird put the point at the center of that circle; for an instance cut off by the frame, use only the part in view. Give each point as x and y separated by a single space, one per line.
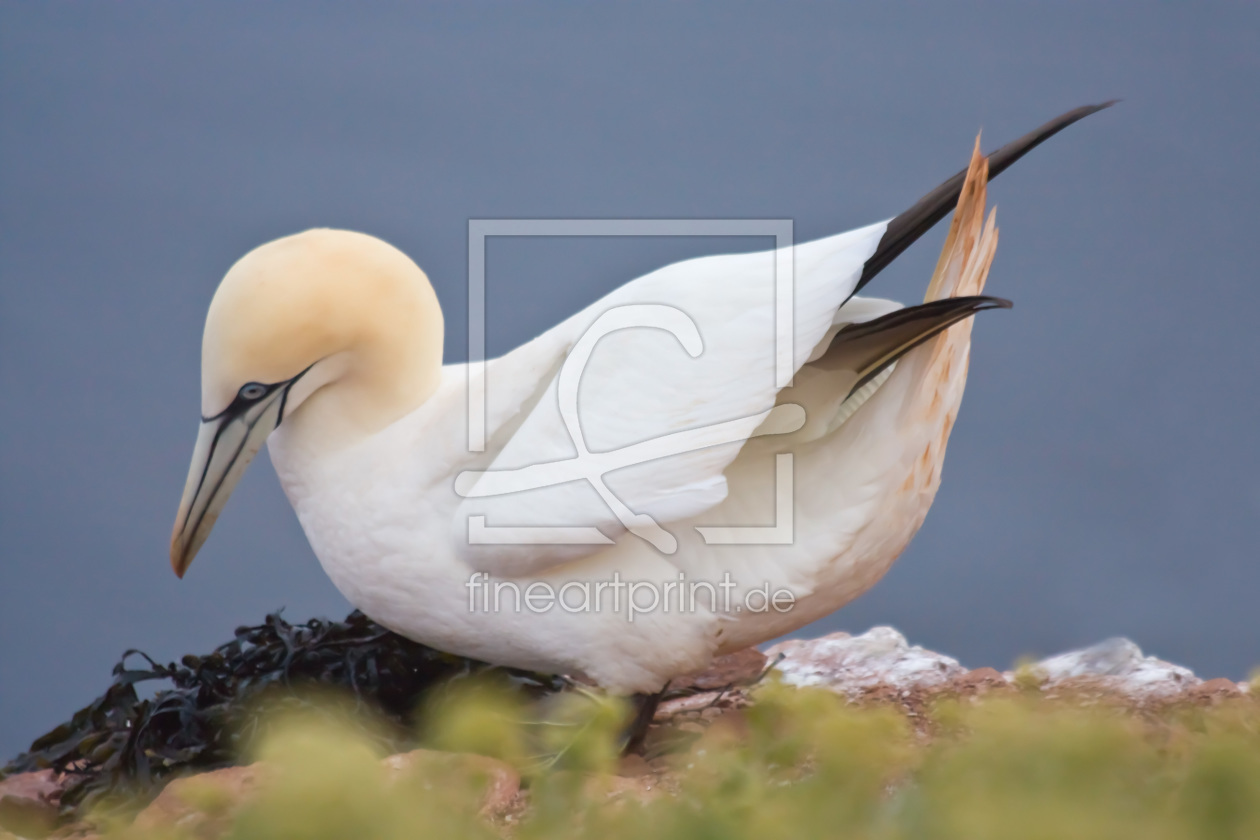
328 346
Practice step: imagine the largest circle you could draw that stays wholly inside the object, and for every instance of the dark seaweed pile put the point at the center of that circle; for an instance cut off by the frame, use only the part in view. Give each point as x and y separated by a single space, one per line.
121 747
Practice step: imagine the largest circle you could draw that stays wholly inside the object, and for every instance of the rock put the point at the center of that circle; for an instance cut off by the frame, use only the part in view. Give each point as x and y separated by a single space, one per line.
29 803
609 788
724 733
73 831
691 703
1117 665
980 681
622 788
44 785
1212 692
203 805
855 664
734 669
633 765
502 781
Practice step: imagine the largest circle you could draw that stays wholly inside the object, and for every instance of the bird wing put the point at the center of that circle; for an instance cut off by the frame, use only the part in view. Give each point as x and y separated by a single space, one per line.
644 398
625 416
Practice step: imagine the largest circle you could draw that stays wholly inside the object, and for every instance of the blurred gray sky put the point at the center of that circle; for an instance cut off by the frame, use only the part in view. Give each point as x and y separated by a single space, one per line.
1102 478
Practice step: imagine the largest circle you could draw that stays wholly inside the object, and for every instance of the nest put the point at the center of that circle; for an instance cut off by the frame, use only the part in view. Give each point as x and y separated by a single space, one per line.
122 748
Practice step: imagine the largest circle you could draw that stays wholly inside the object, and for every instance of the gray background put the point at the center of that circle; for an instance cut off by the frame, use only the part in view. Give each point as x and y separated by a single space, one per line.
1102 477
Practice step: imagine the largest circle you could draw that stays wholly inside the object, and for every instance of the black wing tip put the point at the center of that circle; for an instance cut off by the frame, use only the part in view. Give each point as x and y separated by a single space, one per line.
1086 110
1002 158
973 303
1101 105
906 227
961 306
996 303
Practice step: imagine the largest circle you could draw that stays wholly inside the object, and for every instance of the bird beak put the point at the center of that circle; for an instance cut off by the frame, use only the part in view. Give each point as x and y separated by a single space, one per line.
226 443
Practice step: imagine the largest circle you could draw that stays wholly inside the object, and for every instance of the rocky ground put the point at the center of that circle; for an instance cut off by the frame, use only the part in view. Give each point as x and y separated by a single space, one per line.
878 667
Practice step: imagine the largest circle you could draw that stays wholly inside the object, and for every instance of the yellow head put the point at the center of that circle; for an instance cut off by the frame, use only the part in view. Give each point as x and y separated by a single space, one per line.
336 331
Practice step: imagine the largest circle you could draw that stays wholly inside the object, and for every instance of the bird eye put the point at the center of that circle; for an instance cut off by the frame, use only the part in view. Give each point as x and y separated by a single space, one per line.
252 391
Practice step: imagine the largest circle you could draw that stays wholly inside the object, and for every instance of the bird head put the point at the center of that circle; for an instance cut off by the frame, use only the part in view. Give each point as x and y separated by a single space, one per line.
336 332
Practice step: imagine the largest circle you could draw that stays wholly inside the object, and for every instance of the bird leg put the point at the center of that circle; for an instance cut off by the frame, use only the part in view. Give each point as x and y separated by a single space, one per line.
645 706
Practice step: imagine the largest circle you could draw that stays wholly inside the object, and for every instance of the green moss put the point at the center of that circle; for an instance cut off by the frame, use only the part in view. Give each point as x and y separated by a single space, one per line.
798 763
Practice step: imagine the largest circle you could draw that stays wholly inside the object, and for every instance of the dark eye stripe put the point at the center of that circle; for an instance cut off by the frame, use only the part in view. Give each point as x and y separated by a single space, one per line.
252 392
249 395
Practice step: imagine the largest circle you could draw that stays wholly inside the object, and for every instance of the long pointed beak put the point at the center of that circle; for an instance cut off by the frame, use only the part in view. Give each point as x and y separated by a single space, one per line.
225 445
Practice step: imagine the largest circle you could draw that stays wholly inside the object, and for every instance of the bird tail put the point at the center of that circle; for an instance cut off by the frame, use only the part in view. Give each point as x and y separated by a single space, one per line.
867 351
972 240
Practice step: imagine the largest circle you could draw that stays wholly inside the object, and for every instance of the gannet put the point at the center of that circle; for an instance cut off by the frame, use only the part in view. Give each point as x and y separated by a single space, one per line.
668 435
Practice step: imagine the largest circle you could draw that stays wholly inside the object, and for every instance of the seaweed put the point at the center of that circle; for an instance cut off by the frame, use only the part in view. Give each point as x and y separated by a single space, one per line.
122 748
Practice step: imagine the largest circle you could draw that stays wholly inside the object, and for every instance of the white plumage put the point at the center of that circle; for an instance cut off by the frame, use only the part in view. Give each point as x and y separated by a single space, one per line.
371 444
